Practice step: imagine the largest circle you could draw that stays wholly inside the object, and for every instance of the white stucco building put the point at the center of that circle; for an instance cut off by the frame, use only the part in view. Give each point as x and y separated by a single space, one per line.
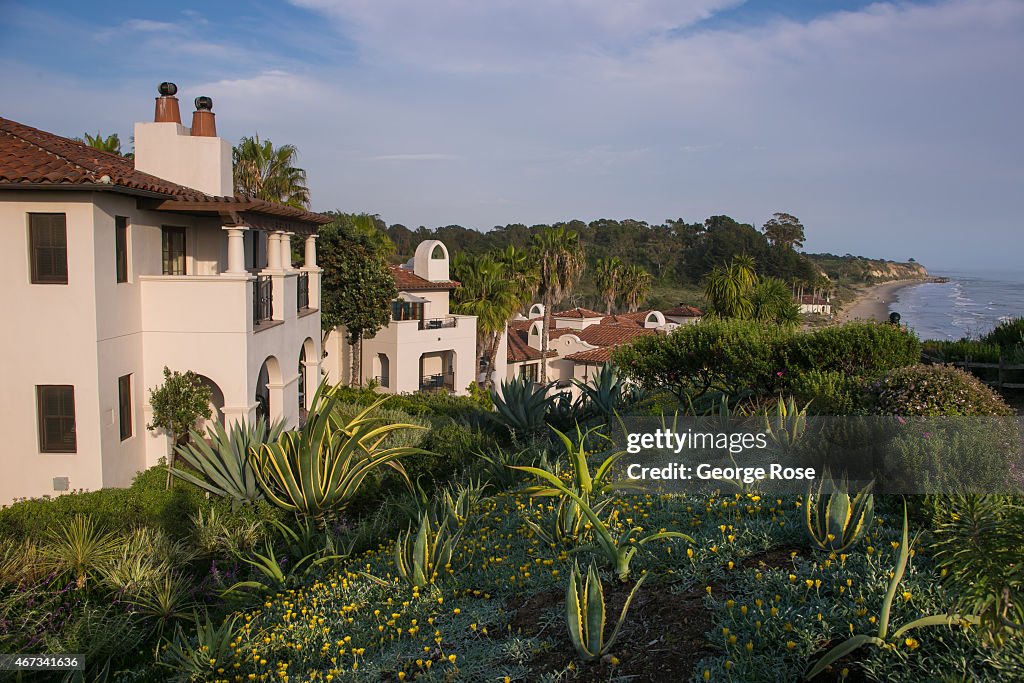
580 341
114 269
424 346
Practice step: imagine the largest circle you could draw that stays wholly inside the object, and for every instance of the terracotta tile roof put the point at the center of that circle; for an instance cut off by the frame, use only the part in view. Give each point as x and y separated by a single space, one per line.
523 324
519 350
683 311
29 156
578 312
408 281
612 335
629 319
598 356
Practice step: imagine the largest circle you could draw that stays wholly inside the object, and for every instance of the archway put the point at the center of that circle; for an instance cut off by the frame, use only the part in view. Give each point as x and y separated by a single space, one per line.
268 390
216 405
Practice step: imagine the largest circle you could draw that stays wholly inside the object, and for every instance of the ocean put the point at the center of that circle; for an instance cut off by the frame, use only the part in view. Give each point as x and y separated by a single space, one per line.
969 305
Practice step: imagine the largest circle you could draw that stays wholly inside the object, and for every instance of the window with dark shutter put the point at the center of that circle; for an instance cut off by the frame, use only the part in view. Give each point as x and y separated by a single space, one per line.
56 409
48 244
124 405
173 250
121 247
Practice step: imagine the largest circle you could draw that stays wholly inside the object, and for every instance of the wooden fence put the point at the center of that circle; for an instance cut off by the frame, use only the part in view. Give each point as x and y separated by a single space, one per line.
1000 379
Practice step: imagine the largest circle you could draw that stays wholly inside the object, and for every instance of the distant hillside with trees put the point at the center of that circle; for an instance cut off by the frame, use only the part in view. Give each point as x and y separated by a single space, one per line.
678 255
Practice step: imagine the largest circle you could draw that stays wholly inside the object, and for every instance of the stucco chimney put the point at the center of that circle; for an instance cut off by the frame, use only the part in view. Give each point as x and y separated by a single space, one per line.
203 123
167 104
196 158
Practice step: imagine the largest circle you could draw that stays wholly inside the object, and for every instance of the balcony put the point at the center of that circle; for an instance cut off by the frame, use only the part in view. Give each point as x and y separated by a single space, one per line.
302 292
439 381
262 300
438 323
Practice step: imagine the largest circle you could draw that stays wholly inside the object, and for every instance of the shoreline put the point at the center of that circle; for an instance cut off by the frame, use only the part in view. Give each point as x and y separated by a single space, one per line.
875 302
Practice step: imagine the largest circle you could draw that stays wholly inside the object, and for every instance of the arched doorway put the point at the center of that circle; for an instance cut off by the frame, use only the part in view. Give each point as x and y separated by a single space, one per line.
216 405
268 390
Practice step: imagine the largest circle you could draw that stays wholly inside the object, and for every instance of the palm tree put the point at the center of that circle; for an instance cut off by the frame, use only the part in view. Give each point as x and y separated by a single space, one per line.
492 296
560 263
269 173
636 286
772 301
520 267
111 143
727 288
608 279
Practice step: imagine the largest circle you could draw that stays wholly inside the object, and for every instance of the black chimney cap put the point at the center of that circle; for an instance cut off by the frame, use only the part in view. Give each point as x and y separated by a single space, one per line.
167 89
204 103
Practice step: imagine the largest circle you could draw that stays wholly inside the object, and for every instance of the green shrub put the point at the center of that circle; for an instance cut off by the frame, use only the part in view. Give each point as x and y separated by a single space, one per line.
860 349
1007 334
145 503
725 355
931 390
385 415
828 392
962 350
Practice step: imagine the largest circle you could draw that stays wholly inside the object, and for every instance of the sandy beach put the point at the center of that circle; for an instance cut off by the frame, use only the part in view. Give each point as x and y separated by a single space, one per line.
875 301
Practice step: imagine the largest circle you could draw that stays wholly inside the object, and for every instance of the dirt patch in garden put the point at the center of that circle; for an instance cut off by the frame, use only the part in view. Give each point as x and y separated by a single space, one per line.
776 558
662 638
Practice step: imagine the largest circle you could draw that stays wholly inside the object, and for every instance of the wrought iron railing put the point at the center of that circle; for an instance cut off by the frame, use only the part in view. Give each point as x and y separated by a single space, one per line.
303 291
383 381
262 299
442 380
438 323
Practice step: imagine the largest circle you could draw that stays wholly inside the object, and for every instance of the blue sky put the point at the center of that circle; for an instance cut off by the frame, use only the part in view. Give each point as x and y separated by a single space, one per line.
891 129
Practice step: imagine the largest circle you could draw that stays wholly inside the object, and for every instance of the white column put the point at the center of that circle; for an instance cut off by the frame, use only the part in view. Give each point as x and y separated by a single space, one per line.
310 251
274 251
286 250
236 250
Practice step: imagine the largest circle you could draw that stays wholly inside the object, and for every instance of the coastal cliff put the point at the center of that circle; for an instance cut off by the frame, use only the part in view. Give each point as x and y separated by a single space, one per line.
852 270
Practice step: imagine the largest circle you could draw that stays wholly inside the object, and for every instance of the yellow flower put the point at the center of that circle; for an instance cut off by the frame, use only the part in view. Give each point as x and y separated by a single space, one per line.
911 643
790 644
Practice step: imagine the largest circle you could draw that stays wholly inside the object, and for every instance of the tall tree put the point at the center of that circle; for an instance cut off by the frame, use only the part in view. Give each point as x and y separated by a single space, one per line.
608 273
357 292
784 229
269 173
111 143
490 293
521 268
560 262
635 287
727 288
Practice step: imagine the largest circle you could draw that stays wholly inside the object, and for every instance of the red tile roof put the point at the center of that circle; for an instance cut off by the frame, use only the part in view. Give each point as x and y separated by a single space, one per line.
629 319
519 349
683 311
408 281
612 335
598 356
578 312
29 156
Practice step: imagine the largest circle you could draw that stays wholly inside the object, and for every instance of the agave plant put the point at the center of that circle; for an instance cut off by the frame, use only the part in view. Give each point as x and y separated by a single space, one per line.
604 393
521 407
212 649
617 551
319 468
583 481
223 463
883 638
419 559
787 425
457 505
584 613
305 550
566 527
834 519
